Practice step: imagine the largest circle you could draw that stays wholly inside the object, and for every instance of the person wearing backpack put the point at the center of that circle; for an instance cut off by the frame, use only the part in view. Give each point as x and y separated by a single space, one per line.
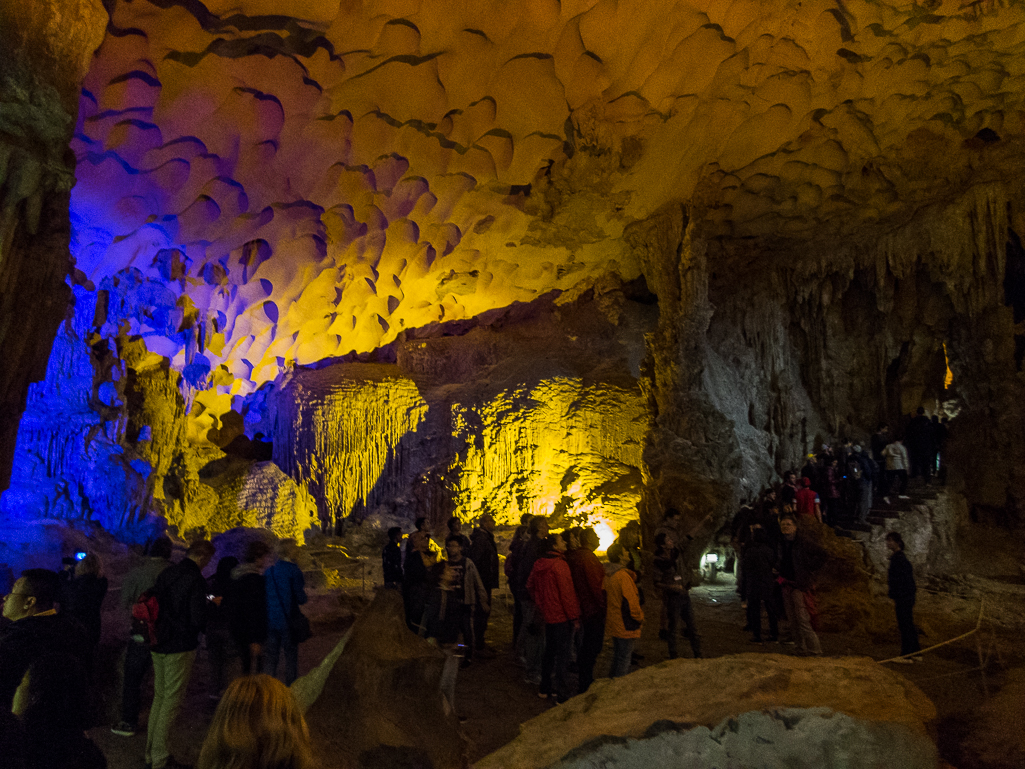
180 592
137 662
624 616
286 592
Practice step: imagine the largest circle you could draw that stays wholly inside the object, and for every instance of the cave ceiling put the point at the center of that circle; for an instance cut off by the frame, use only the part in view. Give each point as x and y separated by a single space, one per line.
262 184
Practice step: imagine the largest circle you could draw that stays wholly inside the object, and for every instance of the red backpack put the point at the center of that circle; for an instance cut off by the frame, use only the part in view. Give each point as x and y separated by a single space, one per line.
145 611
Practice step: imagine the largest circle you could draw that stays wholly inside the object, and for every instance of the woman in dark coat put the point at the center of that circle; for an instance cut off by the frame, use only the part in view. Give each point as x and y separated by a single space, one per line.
901 579
247 606
759 562
85 594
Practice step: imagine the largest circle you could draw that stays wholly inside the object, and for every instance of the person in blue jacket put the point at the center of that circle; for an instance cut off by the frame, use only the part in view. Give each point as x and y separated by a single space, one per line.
286 592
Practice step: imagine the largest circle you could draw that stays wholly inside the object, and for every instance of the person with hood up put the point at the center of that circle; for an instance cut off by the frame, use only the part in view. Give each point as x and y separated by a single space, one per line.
624 616
550 586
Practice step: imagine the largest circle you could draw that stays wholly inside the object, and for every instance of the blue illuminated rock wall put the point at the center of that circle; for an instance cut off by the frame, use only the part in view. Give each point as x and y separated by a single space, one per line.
73 461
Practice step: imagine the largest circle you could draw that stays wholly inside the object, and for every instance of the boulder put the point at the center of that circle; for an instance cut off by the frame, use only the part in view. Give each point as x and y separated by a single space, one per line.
382 703
815 707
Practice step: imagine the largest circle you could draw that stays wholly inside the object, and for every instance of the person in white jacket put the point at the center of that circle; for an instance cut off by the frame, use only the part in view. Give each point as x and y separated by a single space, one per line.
897 463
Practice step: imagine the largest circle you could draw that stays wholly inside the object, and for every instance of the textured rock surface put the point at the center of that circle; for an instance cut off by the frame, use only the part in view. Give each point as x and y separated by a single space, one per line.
45 48
823 199
811 738
543 416
381 704
705 692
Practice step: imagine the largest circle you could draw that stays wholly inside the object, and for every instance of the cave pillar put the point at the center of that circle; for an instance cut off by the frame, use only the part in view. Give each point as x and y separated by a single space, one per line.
691 457
988 455
45 49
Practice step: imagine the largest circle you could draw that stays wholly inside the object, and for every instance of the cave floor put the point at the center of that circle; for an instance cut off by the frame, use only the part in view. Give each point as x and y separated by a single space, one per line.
494 699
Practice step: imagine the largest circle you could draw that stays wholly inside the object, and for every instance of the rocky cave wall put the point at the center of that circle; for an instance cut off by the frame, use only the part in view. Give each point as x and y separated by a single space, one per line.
541 413
45 50
819 195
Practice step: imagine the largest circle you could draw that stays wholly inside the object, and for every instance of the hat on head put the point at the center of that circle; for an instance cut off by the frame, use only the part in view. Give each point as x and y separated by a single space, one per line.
806 482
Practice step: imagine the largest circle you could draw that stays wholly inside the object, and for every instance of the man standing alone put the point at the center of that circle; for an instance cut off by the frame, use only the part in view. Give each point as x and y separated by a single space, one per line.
181 594
484 554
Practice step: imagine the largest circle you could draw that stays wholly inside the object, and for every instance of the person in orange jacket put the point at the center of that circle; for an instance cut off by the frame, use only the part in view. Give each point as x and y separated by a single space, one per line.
550 586
624 617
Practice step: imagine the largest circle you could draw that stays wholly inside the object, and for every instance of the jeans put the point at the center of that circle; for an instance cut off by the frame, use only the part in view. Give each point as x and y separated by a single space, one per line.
678 607
800 621
532 637
137 664
558 637
592 632
622 651
906 625
170 680
279 641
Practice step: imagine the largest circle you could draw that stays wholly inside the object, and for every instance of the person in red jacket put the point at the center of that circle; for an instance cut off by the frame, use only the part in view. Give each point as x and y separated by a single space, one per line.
550 586
588 580
808 501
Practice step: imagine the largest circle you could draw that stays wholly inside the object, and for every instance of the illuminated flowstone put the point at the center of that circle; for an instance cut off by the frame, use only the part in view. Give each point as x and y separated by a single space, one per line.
550 423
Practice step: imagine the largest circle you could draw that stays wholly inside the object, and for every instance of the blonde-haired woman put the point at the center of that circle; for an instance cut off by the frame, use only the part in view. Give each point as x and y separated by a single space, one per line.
258 725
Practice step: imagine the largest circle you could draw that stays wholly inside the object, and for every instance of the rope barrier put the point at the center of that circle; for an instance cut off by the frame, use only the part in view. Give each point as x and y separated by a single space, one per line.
978 626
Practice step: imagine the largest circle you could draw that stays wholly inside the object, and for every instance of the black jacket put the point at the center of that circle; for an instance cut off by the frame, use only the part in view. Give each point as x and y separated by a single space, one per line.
391 560
484 554
85 596
798 560
247 605
530 551
181 593
25 641
901 578
759 561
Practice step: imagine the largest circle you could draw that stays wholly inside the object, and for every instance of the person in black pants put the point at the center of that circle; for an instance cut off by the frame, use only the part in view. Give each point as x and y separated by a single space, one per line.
759 560
901 578
247 605
669 577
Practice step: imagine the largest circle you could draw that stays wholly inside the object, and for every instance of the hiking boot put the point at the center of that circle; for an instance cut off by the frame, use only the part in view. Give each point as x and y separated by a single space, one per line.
123 729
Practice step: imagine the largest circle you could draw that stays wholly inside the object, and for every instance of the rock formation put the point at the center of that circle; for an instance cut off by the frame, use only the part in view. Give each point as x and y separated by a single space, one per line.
382 703
566 257
45 50
793 712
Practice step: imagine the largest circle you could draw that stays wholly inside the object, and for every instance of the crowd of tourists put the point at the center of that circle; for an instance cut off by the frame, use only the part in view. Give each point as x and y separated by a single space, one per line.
566 603
249 611
839 484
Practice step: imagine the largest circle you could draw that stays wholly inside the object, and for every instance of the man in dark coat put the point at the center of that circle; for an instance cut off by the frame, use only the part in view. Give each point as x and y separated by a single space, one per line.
484 554
181 593
797 561
247 605
36 629
901 582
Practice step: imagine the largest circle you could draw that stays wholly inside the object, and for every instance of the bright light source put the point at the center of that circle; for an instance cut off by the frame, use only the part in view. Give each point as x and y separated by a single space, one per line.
711 558
606 536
